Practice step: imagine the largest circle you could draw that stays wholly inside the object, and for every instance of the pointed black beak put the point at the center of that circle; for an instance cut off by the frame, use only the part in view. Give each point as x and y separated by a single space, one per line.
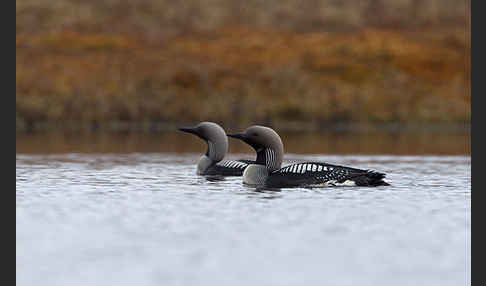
191 130
240 136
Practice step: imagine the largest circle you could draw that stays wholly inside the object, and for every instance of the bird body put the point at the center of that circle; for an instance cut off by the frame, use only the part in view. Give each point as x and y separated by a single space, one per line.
317 174
267 170
223 168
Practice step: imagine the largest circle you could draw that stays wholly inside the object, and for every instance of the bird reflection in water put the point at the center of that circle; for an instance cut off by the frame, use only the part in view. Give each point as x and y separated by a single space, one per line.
215 178
265 193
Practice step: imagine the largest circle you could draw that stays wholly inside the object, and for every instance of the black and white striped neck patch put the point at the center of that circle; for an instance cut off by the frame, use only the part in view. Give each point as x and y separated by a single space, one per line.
211 149
271 159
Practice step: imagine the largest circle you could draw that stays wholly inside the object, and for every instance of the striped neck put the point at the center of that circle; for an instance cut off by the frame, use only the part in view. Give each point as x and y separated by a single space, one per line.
268 157
215 152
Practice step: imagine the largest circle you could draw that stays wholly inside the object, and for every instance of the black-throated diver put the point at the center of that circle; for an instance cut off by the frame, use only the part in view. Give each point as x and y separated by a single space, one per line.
267 170
212 162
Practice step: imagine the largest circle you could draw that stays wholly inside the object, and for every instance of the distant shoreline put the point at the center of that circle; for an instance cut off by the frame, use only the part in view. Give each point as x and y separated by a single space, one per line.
439 140
291 127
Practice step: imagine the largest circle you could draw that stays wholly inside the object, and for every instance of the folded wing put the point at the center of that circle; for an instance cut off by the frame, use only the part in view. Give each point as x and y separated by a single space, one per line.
317 173
228 168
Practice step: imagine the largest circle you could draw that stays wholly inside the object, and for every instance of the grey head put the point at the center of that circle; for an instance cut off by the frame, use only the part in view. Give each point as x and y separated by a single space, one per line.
267 144
214 136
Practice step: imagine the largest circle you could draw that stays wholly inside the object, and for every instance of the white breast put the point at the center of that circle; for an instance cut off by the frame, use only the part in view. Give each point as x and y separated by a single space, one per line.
255 174
203 164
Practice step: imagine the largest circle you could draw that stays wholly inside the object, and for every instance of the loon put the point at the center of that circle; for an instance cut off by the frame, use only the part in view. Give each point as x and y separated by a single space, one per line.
211 163
267 170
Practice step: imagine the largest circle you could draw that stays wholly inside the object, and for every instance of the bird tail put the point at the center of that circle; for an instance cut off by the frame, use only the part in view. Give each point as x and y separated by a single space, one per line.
370 178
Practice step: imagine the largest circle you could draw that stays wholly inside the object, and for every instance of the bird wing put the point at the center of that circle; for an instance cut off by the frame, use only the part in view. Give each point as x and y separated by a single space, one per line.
227 168
313 173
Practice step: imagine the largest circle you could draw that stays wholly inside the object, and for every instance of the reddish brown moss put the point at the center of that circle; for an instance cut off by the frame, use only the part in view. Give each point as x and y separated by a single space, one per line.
242 76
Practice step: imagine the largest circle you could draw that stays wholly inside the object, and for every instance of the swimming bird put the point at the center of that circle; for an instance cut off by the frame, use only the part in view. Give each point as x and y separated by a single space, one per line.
212 162
267 170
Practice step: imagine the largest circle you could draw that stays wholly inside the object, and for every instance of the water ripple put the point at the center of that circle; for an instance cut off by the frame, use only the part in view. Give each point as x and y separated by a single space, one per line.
147 219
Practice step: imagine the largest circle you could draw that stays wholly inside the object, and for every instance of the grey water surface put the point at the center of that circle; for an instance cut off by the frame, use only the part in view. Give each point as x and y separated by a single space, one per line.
147 219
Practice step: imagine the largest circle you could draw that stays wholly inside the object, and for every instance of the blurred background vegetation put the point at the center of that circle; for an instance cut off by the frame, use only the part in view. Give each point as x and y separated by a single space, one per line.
291 64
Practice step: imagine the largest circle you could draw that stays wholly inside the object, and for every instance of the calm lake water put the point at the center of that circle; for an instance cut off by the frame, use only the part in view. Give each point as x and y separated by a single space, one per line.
87 216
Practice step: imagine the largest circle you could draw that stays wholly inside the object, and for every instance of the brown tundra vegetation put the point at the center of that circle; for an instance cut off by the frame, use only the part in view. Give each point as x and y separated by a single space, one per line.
124 64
